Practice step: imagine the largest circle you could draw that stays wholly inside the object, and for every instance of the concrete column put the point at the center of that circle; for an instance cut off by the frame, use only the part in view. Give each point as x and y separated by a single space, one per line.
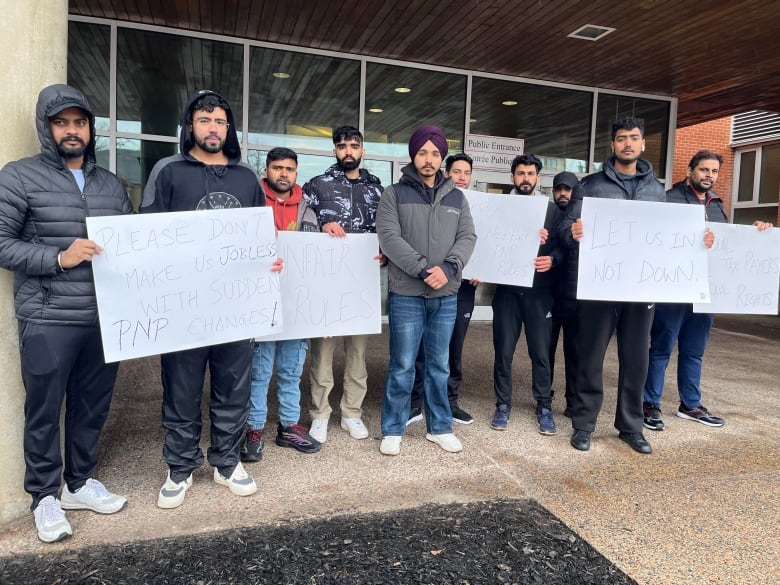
36 55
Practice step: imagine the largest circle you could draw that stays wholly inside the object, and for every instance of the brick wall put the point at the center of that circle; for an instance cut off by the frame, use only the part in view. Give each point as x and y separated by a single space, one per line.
714 136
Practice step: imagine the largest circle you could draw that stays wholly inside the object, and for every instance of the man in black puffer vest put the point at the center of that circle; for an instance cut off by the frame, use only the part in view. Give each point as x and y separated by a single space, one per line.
625 176
44 203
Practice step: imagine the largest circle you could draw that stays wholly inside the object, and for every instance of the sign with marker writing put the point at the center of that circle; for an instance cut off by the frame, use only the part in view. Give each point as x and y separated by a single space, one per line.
172 281
642 251
330 286
507 229
744 270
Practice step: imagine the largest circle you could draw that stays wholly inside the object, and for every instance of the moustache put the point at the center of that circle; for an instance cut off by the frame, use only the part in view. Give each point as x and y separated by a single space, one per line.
72 139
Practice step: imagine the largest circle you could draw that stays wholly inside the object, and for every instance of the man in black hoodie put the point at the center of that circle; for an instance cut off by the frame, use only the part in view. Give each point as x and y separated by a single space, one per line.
44 203
206 174
625 176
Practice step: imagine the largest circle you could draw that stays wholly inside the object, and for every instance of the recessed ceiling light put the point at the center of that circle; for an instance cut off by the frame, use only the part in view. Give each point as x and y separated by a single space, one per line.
591 32
280 75
472 120
509 103
375 110
403 89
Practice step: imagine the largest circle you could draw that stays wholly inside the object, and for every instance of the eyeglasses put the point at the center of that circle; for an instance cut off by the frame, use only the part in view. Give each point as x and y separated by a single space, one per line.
204 122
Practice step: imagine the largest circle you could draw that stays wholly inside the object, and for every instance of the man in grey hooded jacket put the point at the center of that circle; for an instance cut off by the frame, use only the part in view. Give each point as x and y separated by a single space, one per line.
44 202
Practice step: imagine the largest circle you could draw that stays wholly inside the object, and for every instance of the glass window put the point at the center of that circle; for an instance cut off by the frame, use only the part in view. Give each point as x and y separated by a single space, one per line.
746 173
769 190
309 165
656 116
135 160
88 66
156 74
749 215
401 99
297 100
554 122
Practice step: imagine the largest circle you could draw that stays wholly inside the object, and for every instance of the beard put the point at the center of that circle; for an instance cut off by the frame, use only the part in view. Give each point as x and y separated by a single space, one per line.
211 148
70 151
349 165
279 188
562 203
701 188
525 188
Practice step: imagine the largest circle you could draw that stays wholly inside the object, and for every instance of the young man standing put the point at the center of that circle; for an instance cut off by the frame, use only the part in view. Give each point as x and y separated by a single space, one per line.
426 231
515 306
457 167
627 176
291 213
207 174
44 203
345 199
676 322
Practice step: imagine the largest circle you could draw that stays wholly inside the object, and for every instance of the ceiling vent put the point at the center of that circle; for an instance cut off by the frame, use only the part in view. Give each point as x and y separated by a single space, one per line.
591 32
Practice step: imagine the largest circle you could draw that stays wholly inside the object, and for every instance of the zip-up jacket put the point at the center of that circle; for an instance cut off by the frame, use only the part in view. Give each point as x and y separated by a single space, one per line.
353 204
420 227
713 205
42 211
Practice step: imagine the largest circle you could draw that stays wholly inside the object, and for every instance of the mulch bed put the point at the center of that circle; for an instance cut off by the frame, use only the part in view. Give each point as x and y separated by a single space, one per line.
507 541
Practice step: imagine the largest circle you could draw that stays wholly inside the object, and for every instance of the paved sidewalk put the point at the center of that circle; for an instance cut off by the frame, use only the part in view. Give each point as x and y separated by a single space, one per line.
701 509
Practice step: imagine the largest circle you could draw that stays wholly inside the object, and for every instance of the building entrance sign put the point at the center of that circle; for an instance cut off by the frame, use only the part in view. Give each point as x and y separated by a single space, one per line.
492 153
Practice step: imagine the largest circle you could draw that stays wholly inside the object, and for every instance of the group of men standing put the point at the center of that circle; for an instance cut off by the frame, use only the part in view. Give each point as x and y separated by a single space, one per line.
426 236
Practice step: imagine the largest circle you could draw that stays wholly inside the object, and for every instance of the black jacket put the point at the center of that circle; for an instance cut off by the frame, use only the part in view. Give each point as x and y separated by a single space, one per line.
713 205
183 183
352 204
605 185
42 210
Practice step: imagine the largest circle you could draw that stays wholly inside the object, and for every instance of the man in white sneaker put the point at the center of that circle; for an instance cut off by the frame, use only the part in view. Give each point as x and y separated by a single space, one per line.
426 231
207 174
345 199
44 202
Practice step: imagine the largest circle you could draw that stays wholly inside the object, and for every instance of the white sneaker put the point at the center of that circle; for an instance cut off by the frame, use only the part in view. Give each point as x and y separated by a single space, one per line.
319 430
94 496
390 445
239 482
50 520
356 428
172 493
447 441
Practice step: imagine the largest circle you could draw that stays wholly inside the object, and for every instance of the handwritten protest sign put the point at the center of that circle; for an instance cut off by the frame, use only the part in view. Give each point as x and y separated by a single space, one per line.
744 270
507 229
642 251
330 286
173 281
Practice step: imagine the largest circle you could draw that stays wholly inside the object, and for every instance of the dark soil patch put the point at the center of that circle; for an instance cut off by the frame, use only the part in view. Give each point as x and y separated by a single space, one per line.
489 542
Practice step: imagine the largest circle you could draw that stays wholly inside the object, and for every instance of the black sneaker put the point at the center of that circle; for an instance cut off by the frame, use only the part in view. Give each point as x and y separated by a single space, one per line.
700 414
637 442
415 414
652 418
461 416
252 446
298 438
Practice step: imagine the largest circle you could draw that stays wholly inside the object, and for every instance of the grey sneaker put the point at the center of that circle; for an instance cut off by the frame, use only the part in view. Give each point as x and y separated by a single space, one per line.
50 520
172 493
94 496
239 482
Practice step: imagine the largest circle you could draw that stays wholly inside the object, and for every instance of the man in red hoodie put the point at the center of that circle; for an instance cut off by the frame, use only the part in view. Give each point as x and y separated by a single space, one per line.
291 213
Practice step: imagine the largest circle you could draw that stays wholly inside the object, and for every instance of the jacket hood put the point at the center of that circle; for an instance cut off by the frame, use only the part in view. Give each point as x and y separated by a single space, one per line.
52 100
231 148
410 176
643 167
365 177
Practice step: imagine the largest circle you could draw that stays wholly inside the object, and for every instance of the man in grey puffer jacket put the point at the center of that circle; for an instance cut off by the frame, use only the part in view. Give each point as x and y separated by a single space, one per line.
44 203
426 231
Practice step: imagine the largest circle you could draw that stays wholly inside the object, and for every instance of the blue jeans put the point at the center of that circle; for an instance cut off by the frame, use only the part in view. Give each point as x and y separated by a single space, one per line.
691 331
411 320
290 355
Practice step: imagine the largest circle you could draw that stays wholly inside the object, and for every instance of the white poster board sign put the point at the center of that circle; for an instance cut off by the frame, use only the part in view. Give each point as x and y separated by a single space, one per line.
744 270
642 251
507 229
330 286
173 281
